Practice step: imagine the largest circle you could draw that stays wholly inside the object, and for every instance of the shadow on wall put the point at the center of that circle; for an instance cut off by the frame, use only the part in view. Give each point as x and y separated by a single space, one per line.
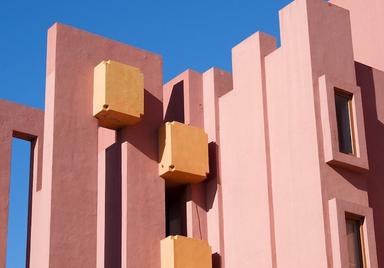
216 260
213 179
175 110
372 85
144 135
113 201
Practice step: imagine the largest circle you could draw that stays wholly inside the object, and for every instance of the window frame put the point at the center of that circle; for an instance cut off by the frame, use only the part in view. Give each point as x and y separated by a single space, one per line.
328 86
360 220
338 211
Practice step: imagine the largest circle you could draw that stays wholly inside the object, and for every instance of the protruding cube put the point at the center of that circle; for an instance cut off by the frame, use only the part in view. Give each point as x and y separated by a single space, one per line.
183 153
183 252
118 94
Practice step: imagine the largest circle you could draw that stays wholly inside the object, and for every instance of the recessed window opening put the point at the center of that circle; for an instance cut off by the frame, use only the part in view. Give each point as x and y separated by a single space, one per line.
343 103
19 205
175 209
355 240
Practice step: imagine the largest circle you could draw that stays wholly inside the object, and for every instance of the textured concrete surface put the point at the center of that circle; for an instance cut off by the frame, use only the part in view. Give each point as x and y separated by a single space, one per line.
183 252
183 153
19 121
278 188
118 94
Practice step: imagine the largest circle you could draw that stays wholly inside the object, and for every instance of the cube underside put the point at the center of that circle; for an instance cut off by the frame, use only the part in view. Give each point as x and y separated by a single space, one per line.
115 120
183 153
118 94
183 252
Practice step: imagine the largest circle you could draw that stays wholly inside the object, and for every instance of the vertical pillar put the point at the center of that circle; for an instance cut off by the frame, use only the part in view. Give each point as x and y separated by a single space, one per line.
24 123
187 88
72 147
5 173
244 156
215 84
143 191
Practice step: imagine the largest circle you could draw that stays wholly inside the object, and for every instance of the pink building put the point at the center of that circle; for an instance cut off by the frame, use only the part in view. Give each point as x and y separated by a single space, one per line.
278 164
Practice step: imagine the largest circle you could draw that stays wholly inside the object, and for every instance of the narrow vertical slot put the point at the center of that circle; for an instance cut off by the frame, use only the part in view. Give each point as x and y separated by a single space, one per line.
19 205
175 209
113 206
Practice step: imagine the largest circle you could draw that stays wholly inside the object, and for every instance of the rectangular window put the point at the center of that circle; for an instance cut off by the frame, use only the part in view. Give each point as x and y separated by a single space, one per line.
355 241
343 102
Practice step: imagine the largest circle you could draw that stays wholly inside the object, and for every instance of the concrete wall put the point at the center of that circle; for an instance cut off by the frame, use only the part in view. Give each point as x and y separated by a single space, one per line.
71 157
19 121
278 188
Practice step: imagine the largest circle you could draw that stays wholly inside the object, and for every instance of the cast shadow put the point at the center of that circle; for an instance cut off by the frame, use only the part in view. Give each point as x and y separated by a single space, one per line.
212 180
216 260
175 109
371 82
113 218
144 135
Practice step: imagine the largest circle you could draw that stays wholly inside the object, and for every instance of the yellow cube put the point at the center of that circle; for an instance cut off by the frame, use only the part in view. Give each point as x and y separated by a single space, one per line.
183 153
118 94
183 252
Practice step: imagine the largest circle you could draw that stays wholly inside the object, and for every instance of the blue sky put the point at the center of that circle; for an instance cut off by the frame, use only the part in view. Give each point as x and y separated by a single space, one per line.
196 34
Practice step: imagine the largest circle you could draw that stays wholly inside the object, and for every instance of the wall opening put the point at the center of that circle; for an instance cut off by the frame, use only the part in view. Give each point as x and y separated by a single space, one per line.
113 206
176 210
19 205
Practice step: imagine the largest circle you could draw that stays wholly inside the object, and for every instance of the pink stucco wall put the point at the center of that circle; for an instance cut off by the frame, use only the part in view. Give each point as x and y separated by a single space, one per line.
71 158
281 165
24 123
278 187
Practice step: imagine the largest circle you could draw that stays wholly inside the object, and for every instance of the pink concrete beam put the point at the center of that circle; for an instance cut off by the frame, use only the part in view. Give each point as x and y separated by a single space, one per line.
294 152
247 204
71 152
24 123
192 114
143 191
215 84
5 173
106 138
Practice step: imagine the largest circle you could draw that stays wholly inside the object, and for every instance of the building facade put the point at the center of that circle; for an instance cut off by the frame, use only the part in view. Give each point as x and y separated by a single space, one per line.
277 164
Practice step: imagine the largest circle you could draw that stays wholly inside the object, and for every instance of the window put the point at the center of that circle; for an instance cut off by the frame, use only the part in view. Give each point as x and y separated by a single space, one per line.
343 102
342 122
355 240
